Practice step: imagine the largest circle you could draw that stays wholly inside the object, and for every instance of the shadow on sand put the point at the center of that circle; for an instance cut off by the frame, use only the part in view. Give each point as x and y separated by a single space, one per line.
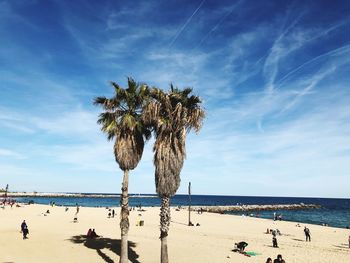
297 239
342 246
101 243
175 222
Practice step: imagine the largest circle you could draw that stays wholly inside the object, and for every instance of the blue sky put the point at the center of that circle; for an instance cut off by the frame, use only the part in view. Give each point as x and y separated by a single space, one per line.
274 77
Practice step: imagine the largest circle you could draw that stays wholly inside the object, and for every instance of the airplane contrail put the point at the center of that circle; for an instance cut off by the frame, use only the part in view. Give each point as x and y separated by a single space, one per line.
218 24
184 26
335 51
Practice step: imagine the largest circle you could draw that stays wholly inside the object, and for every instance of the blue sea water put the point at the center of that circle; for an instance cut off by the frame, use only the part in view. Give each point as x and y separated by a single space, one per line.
334 212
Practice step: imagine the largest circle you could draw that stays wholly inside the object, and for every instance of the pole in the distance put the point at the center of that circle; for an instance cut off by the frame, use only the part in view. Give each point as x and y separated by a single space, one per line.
189 204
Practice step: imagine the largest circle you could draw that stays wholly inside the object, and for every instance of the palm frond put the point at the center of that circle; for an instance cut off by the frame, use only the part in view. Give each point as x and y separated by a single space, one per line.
173 114
123 120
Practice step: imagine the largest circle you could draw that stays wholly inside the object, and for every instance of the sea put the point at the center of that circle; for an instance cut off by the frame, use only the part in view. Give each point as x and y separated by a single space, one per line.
334 212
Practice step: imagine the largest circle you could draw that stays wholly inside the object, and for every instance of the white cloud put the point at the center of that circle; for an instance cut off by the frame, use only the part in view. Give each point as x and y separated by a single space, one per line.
11 154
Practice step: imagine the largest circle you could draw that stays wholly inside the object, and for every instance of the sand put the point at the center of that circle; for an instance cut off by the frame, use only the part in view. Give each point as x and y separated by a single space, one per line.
56 238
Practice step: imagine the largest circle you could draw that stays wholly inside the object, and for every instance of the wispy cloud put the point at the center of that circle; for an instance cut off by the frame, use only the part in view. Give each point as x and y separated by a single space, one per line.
10 153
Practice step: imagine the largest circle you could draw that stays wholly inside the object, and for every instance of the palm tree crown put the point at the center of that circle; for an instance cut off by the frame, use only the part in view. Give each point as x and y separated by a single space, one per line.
122 120
172 115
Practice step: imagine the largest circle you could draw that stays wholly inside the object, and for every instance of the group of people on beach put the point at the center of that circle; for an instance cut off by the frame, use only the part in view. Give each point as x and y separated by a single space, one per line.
274 232
240 247
91 233
111 213
279 259
9 202
277 217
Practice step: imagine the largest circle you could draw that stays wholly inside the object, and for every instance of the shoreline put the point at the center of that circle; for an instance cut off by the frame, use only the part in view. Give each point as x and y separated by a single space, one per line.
37 194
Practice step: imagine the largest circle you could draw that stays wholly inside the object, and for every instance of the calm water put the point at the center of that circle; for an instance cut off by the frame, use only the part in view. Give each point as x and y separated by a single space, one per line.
334 212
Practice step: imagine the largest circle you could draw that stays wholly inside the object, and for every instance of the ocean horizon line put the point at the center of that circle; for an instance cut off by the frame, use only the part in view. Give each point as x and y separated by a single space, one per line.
155 195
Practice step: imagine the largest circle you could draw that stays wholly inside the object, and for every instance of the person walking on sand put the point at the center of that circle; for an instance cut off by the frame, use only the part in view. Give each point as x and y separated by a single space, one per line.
307 234
77 210
113 213
24 229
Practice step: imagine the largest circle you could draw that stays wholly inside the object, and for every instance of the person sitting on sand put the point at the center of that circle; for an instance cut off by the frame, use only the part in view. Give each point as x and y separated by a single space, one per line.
93 234
89 233
241 246
279 259
269 260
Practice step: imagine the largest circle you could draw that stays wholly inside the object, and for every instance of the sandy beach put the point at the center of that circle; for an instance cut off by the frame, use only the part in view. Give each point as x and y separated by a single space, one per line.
56 238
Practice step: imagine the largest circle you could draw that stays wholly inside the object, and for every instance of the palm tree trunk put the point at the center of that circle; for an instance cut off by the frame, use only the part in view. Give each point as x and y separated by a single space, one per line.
124 220
164 228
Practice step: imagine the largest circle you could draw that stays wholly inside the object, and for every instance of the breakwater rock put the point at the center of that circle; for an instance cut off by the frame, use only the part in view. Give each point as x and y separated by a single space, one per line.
243 208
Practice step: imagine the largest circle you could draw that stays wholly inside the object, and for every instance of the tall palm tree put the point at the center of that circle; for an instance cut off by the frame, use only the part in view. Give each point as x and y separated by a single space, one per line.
171 115
122 120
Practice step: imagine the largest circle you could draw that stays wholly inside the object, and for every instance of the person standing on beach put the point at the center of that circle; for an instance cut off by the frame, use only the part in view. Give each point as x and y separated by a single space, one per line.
349 241
24 229
274 242
307 234
113 213
77 210
274 233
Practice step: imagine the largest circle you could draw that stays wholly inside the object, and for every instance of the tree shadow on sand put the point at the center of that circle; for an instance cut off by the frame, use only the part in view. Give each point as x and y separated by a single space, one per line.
342 246
101 243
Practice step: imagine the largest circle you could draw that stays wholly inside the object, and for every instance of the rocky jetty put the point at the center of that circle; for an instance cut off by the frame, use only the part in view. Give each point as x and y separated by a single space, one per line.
244 208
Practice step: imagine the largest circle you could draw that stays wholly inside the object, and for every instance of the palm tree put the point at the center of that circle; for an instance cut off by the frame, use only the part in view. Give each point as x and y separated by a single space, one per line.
122 120
171 115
